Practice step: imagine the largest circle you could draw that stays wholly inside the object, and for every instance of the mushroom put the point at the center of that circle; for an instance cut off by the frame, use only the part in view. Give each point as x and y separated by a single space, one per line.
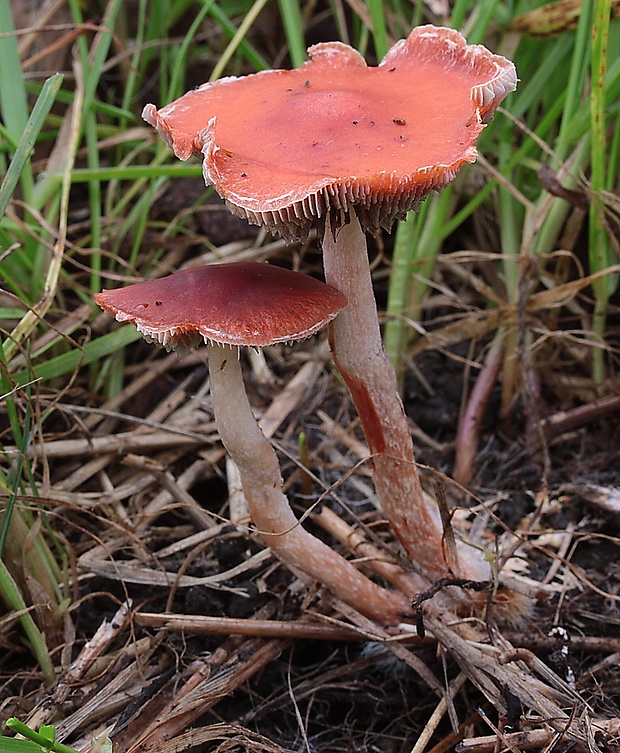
254 305
352 148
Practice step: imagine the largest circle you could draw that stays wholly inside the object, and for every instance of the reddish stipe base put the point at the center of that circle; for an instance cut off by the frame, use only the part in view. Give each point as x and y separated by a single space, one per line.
269 507
358 352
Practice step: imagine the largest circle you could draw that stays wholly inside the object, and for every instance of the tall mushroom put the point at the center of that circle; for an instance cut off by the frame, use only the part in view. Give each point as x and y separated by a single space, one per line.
355 148
255 305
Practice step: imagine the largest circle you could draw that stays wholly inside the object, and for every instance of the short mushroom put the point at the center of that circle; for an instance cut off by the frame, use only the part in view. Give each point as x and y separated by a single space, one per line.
255 305
354 147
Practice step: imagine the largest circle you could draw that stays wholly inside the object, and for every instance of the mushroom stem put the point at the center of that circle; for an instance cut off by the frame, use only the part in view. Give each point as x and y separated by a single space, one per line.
269 507
358 352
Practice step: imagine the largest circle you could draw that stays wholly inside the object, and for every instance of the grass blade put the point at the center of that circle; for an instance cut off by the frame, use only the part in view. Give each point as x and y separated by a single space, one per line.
30 320
294 30
13 599
13 99
600 251
66 363
26 143
238 39
379 32
255 59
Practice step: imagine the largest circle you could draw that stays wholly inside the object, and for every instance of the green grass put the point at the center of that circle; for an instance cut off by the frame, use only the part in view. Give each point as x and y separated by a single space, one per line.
603 177
554 75
78 141
42 740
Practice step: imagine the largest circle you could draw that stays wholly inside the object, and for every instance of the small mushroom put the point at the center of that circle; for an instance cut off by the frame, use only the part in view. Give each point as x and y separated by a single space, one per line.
255 305
354 148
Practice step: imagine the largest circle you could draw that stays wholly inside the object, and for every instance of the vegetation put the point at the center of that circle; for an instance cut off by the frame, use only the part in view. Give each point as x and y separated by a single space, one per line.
110 466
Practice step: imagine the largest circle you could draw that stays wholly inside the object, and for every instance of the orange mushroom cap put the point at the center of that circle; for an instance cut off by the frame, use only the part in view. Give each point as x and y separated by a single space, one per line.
283 147
244 303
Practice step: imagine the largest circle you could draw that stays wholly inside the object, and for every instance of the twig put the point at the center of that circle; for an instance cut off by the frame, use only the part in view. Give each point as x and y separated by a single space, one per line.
116 444
438 713
297 630
529 739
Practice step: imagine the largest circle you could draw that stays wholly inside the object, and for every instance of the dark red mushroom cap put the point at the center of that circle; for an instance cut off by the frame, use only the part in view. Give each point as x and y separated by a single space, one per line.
244 303
284 147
